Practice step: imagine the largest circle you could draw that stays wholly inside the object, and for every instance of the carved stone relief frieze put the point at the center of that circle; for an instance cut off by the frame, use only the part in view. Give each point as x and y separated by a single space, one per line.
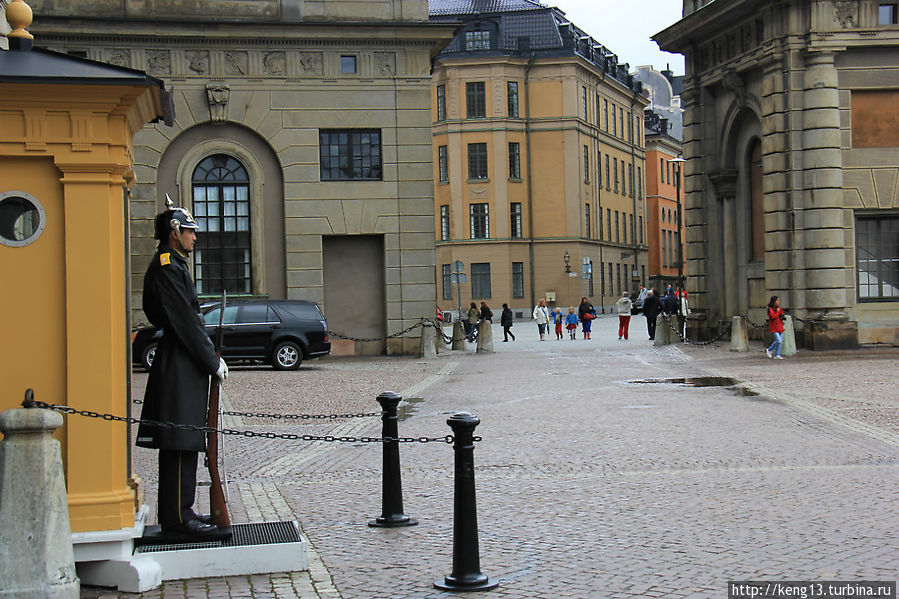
159 62
274 63
845 13
198 61
385 64
120 57
236 63
310 63
218 95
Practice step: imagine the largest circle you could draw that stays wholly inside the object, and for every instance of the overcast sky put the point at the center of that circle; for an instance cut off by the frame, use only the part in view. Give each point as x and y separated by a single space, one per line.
625 26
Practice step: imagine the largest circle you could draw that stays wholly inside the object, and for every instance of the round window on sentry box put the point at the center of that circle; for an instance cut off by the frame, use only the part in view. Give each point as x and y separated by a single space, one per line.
22 218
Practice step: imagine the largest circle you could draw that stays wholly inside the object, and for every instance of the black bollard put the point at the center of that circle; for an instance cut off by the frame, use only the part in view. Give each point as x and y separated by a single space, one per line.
466 574
391 485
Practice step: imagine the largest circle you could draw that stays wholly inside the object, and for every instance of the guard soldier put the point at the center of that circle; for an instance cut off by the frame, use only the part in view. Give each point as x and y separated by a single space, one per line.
178 386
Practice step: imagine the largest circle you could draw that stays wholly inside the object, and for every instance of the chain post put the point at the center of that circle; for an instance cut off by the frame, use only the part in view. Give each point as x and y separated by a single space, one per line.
466 574
391 483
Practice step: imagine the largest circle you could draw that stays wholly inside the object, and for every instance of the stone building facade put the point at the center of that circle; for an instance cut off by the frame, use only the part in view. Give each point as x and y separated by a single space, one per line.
790 135
538 160
301 144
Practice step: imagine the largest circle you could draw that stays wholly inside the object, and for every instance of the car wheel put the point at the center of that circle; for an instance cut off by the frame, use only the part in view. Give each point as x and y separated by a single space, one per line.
146 356
287 355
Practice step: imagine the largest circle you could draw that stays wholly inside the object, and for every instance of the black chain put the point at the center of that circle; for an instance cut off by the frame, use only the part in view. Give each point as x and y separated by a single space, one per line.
229 431
290 416
424 322
752 324
683 338
371 339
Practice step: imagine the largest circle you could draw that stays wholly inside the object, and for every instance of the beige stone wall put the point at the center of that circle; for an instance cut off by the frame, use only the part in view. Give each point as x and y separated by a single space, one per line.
283 92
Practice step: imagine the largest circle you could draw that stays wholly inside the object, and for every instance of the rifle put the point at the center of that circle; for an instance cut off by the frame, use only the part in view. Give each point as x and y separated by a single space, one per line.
217 504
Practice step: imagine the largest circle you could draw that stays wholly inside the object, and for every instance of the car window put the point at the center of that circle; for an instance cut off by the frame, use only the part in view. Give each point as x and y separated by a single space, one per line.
212 317
303 311
256 313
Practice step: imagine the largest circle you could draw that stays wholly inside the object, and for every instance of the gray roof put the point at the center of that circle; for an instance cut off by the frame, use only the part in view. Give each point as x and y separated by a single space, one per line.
523 27
456 7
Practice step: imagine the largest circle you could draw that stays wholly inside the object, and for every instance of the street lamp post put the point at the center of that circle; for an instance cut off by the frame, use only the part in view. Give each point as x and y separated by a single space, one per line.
458 277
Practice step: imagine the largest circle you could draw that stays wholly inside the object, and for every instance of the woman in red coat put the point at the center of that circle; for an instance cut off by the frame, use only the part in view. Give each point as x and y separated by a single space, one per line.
776 319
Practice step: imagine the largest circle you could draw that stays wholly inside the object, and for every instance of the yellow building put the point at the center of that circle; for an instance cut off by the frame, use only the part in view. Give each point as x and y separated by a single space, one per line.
538 161
66 161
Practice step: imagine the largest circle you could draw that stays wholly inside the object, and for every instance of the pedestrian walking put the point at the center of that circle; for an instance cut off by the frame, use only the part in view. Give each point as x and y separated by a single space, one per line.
623 307
178 385
586 313
571 323
486 312
541 315
638 305
776 318
651 309
505 319
473 315
558 320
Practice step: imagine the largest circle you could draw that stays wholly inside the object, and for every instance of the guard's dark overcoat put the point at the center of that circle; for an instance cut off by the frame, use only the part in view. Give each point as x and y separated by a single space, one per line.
178 386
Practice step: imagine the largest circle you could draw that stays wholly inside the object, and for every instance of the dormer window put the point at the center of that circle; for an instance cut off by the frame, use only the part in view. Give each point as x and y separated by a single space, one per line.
477 40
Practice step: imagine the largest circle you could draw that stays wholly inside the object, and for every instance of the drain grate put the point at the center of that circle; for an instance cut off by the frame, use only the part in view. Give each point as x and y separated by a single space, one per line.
243 535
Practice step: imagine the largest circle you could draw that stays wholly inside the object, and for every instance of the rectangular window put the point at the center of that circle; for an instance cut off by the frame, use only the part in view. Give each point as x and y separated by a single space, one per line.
630 218
480 221
447 279
614 125
886 14
605 115
630 128
639 183
617 229
661 170
518 279
477 161
586 164
477 40
623 180
621 116
515 217
877 251
476 100
599 222
514 160
618 278
609 223
347 64
641 230
441 102
350 154
608 175
587 219
599 168
480 280
584 101
615 165
630 179
442 165
512 102
444 222
611 289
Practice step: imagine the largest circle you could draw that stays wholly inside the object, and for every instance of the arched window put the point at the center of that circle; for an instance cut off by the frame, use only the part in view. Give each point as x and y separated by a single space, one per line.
221 206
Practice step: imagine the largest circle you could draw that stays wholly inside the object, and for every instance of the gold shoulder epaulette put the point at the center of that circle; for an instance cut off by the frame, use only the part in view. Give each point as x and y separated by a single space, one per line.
165 259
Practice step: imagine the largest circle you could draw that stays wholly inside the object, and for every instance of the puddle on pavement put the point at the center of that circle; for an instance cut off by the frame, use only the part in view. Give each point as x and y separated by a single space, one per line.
408 407
702 381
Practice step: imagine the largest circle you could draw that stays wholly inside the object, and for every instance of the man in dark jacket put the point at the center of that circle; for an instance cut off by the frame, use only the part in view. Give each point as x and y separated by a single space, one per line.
505 319
651 309
178 385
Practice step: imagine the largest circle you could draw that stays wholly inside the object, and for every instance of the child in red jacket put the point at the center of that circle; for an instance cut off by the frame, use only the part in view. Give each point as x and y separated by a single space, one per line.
776 319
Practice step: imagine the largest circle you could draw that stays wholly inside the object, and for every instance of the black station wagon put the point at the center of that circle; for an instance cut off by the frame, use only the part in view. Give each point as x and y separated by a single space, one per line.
282 333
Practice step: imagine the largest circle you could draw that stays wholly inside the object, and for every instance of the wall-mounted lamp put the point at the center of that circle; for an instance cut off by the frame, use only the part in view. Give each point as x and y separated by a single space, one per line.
567 259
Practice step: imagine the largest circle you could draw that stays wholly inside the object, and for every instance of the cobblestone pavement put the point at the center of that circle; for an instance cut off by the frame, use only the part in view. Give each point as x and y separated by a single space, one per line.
595 479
